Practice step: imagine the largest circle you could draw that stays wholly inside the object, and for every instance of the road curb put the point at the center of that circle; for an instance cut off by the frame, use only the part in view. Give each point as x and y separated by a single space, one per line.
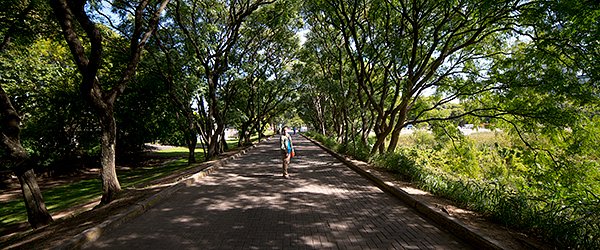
85 238
452 224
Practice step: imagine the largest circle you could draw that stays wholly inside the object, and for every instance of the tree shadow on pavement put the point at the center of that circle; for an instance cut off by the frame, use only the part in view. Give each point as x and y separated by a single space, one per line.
248 205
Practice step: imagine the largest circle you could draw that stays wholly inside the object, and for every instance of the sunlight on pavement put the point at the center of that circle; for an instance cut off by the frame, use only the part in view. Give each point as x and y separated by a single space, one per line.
246 204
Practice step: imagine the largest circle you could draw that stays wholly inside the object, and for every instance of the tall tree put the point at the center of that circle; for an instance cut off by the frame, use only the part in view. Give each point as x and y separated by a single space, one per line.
37 213
211 30
71 15
173 66
443 40
330 74
263 65
399 50
21 21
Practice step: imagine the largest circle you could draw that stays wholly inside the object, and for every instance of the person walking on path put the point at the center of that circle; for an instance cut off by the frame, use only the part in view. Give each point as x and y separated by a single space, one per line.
287 150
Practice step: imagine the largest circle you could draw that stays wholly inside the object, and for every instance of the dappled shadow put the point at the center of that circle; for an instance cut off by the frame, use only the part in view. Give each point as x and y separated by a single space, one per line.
247 204
60 231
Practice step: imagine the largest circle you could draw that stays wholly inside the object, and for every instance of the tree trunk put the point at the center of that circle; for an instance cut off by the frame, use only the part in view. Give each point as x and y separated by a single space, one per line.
215 146
192 142
37 214
211 147
379 146
204 148
225 147
241 136
10 144
348 127
365 130
395 137
262 129
259 131
398 128
244 136
248 138
110 182
214 115
255 128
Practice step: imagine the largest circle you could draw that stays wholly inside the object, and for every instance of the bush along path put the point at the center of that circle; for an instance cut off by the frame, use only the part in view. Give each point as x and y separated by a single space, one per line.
248 204
466 224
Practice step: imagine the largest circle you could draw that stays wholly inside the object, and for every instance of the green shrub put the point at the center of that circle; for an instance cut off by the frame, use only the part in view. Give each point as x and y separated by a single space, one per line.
499 177
423 139
355 148
398 163
545 208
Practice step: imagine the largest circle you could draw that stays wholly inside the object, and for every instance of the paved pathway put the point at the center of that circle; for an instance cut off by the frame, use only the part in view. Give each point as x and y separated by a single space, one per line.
248 205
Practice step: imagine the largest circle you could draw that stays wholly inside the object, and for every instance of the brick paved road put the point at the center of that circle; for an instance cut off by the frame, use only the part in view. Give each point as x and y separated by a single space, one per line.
248 205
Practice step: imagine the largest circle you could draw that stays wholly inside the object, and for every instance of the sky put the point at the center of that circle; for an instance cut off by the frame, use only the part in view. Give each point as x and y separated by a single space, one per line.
302 35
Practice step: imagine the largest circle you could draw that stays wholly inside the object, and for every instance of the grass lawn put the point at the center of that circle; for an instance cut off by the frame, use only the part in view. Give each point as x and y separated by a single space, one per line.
65 196
84 191
180 152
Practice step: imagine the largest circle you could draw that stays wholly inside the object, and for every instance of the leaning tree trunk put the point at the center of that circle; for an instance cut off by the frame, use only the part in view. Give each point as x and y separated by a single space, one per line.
398 128
110 182
395 137
37 214
379 146
259 130
10 142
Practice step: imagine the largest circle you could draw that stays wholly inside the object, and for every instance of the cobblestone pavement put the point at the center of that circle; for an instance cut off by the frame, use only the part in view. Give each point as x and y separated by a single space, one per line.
248 205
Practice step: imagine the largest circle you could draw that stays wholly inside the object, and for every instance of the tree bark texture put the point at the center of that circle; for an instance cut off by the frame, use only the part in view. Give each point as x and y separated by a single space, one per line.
110 182
192 142
37 214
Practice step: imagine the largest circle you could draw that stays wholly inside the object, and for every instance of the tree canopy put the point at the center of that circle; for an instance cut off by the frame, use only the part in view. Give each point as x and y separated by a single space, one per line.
88 81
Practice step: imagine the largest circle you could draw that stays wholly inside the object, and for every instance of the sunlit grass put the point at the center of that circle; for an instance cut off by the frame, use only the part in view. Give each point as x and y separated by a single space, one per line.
56 199
480 138
179 152
65 196
406 140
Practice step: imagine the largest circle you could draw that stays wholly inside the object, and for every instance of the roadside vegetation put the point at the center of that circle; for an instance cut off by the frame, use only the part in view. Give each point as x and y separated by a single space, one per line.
83 83
83 191
495 174
525 69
